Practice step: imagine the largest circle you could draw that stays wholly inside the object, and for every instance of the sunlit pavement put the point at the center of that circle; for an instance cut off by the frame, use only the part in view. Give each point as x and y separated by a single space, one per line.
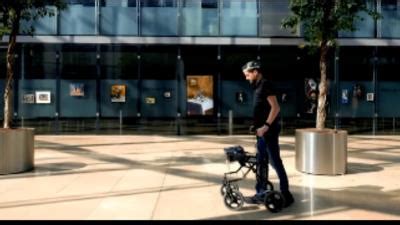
179 177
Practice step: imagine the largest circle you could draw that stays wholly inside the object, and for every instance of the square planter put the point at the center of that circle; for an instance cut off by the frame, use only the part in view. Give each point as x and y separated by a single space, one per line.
16 150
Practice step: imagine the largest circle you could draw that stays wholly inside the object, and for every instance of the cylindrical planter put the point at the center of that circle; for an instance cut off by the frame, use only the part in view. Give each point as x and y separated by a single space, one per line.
16 150
321 151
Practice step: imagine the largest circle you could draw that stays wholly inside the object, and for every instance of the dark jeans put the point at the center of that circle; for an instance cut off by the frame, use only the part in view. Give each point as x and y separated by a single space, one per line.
268 150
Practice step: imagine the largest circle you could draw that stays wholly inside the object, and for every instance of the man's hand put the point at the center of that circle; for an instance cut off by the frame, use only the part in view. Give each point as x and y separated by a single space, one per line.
262 130
252 129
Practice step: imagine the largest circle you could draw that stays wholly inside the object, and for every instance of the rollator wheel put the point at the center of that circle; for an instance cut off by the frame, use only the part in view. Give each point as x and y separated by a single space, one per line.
233 186
234 200
270 186
274 201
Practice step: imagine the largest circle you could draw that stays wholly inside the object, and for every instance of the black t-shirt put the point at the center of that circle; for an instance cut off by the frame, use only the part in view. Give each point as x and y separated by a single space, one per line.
261 107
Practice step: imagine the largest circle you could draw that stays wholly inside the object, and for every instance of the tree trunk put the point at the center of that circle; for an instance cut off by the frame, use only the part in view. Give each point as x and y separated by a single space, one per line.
8 90
323 87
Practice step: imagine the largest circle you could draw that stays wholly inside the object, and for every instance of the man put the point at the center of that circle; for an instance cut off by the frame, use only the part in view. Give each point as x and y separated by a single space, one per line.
266 124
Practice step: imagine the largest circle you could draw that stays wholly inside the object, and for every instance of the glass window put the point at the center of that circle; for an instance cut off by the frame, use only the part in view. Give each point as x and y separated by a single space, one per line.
78 62
158 3
158 63
233 58
40 62
355 63
42 25
282 63
3 63
365 27
200 18
391 18
272 14
118 17
119 62
389 81
200 60
159 17
78 18
388 63
239 18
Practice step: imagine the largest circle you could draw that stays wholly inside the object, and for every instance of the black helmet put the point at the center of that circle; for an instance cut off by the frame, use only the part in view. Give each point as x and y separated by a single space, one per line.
251 65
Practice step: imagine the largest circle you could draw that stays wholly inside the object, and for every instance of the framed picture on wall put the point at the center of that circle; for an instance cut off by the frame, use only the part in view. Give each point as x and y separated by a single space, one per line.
43 97
200 95
118 93
167 94
77 89
150 100
345 96
28 99
370 97
241 97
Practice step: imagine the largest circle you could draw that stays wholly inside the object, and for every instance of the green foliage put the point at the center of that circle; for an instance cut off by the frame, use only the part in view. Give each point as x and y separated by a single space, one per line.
321 20
12 12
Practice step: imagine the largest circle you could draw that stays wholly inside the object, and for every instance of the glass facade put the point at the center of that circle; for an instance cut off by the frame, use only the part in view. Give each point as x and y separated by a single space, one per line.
239 18
79 18
391 16
147 88
365 26
272 13
118 17
46 25
159 17
225 18
200 18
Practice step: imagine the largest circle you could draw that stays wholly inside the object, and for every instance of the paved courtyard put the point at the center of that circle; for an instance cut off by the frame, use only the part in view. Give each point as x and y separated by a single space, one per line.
179 177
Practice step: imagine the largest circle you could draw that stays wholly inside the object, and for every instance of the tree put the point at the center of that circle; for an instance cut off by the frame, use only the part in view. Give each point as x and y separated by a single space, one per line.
12 12
322 20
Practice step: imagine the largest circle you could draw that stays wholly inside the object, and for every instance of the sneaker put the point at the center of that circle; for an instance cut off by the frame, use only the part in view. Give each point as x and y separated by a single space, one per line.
288 199
255 199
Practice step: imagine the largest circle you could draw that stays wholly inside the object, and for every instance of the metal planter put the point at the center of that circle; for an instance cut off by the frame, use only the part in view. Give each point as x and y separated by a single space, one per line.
321 151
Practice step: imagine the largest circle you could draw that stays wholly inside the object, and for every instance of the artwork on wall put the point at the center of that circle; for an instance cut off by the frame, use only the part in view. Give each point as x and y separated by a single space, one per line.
358 91
200 95
28 98
118 93
43 97
311 93
370 97
150 100
192 82
345 96
76 89
241 97
167 94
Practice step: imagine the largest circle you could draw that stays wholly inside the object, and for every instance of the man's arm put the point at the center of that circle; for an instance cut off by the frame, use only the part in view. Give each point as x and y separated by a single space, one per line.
275 109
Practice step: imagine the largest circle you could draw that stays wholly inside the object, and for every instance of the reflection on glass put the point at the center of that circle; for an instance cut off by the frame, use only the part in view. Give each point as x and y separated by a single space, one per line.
78 18
159 17
365 27
119 65
43 25
272 14
118 17
159 64
391 18
239 18
200 17
78 64
40 62
3 64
